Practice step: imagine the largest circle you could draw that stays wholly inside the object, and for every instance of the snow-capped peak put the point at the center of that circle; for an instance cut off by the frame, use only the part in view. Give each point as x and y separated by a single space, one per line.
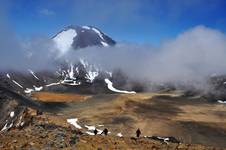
76 37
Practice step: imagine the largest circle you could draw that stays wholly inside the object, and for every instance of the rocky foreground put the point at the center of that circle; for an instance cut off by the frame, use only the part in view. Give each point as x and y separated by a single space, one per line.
41 122
47 136
39 133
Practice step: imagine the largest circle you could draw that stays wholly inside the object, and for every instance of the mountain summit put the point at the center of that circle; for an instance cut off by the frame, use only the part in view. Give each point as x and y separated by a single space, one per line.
76 37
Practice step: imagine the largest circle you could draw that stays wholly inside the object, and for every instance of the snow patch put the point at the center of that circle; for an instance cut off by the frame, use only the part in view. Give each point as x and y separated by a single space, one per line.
92 71
52 84
110 87
89 133
64 40
104 44
119 135
22 123
99 33
164 139
99 131
73 122
28 91
12 114
90 127
70 82
19 122
8 76
91 75
37 89
17 84
100 125
7 127
33 74
109 73
86 27
221 102
84 63
71 72
4 128
77 70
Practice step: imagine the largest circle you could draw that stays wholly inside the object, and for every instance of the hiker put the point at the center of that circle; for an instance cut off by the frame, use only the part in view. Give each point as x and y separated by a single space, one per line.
39 112
138 132
95 131
105 131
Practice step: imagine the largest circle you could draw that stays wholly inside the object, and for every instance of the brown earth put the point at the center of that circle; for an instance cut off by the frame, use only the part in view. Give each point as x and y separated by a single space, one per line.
125 143
194 121
50 136
191 120
58 97
42 134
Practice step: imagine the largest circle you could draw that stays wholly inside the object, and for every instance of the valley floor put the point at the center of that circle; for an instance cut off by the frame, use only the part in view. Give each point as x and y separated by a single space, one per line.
192 120
189 119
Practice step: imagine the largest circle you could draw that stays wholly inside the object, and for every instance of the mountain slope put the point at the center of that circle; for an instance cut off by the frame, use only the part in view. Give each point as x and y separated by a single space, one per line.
80 76
76 37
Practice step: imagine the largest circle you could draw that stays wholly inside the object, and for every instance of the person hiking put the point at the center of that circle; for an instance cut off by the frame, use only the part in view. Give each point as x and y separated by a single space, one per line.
95 132
105 131
138 133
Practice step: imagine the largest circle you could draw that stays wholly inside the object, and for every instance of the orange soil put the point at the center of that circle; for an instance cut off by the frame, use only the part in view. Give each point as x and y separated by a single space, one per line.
58 97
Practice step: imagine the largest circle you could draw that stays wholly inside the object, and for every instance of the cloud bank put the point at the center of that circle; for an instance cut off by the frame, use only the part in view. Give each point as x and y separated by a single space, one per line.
20 54
190 58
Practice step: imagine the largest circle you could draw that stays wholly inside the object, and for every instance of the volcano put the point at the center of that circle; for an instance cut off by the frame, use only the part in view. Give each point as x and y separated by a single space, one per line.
78 37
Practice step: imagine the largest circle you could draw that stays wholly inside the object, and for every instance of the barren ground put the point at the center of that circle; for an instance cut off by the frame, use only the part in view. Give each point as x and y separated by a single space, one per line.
58 97
189 119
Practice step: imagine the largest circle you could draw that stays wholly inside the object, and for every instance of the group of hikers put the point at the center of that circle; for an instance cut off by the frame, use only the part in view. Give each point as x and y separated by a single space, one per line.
105 132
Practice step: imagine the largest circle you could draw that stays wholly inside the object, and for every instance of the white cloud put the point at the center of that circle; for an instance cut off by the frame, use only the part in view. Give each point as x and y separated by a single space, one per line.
47 12
190 58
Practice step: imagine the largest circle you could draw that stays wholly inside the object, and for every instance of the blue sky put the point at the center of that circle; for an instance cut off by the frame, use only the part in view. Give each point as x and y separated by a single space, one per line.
139 21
